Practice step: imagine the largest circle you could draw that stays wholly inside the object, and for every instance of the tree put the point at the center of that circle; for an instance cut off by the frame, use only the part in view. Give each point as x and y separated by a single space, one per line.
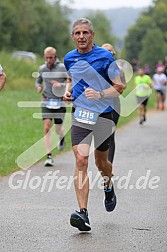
33 25
140 35
135 35
153 48
160 16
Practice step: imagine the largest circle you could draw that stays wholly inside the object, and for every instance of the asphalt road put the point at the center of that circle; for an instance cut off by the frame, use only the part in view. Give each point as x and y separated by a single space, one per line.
35 215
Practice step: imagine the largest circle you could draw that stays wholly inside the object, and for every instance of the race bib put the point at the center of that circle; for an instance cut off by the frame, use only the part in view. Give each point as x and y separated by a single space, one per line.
142 87
53 103
85 116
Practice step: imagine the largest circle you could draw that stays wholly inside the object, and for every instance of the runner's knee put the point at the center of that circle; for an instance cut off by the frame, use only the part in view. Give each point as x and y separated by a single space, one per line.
82 162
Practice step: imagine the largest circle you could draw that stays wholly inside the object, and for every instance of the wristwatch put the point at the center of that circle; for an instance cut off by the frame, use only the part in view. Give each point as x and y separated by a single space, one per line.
101 94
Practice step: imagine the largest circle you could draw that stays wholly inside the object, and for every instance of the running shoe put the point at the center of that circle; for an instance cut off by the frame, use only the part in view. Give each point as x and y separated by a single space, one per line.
110 200
49 161
141 121
61 144
80 220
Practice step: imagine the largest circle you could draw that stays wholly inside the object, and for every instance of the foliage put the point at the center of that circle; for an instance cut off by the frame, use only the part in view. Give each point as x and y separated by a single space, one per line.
156 48
136 34
148 35
33 25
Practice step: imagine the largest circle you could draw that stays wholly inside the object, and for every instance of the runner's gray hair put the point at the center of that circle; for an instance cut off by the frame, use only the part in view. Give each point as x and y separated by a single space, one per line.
83 21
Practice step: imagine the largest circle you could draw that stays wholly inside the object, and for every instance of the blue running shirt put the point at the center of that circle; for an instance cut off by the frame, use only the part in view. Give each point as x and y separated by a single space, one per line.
92 70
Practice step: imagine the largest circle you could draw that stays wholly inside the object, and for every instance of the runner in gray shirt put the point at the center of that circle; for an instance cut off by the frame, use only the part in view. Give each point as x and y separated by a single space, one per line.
51 82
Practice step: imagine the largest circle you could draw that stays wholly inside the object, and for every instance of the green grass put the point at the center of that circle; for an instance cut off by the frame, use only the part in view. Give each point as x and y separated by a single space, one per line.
19 130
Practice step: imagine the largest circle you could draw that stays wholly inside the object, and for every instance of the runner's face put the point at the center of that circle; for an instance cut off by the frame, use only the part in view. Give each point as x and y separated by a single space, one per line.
83 38
141 71
50 58
109 48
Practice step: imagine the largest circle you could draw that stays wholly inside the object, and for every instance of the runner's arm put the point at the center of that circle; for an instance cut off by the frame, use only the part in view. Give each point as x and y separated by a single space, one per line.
113 91
2 79
38 84
68 93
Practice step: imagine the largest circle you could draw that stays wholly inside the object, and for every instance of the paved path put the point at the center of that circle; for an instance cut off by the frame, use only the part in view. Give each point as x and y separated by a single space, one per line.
37 221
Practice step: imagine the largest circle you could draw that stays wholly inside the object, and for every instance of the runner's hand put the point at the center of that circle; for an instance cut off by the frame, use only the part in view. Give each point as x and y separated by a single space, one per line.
91 94
67 96
39 89
119 87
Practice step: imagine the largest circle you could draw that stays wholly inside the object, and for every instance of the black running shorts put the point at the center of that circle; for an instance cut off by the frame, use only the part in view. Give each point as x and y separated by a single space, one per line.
142 100
82 133
56 114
